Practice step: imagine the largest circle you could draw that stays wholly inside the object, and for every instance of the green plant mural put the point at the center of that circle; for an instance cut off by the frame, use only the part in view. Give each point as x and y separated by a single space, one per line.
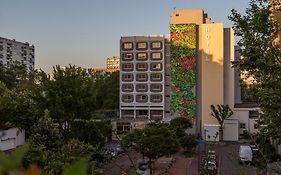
183 69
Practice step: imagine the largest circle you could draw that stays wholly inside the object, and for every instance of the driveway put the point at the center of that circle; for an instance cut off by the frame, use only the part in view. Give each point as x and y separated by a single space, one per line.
228 160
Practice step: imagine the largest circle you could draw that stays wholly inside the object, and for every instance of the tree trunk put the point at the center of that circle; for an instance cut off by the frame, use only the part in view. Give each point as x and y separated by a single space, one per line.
221 133
150 166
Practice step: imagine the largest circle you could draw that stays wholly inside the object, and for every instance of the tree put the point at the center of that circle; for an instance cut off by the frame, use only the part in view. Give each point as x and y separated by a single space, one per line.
179 126
69 95
153 142
221 113
258 31
52 153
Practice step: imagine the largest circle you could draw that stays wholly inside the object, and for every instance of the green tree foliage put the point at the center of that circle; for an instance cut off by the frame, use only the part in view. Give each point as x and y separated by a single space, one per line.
93 132
179 125
221 113
153 141
11 164
53 154
107 87
258 31
69 95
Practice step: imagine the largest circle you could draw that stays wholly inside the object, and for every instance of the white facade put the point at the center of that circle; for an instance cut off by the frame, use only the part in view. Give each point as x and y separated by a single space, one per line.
11 138
143 90
14 51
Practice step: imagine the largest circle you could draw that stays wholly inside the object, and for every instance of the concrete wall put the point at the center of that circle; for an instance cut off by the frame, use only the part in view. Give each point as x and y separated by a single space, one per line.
228 74
211 55
11 139
187 17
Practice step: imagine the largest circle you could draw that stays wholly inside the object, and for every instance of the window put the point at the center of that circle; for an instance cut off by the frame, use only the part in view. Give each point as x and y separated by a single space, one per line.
127 67
156 113
127 98
156 56
156 45
141 87
127 88
242 125
127 77
128 46
155 77
156 98
1 56
141 98
142 113
142 77
142 46
156 87
256 126
142 66
123 128
142 56
1 48
127 56
253 114
156 67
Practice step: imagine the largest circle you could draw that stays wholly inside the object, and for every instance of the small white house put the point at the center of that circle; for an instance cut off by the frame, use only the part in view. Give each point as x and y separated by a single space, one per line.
11 138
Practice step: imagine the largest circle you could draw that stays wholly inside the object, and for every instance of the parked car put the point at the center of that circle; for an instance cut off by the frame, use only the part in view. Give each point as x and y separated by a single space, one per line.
245 153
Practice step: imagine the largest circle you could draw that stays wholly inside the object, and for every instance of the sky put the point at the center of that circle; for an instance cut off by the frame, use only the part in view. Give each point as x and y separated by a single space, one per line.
86 32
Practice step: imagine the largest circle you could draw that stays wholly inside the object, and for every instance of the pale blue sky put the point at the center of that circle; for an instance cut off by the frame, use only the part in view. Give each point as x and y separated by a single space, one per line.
86 32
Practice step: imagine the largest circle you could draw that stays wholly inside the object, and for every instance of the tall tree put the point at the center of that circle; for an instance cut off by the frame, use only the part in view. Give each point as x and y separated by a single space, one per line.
258 31
221 113
69 95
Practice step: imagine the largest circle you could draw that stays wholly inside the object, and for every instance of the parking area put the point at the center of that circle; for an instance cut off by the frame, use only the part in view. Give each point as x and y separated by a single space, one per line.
228 160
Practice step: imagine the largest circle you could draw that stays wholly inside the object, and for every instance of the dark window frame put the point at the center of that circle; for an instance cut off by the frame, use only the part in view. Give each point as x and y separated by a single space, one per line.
155 69
138 89
142 79
124 89
127 59
141 69
143 100
154 79
153 89
156 48
141 42
141 59
126 100
127 80
127 69
127 49
156 101
156 59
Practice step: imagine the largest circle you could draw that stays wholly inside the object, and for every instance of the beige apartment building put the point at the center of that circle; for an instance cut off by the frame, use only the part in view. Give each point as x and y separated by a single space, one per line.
112 64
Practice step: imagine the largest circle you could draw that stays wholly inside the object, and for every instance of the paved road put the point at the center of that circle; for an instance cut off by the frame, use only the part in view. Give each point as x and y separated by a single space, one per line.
228 160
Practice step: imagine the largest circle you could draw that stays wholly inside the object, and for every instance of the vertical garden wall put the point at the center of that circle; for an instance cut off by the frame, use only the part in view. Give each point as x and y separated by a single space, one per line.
183 69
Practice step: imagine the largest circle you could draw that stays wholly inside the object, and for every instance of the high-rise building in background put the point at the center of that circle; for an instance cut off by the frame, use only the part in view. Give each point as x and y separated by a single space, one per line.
112 64
144 78
12 51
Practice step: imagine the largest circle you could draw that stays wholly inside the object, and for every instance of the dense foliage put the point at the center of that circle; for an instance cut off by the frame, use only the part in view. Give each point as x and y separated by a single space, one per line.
52 108
259 33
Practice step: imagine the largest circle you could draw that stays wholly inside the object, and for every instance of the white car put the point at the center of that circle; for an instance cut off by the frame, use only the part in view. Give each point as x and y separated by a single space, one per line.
245 153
